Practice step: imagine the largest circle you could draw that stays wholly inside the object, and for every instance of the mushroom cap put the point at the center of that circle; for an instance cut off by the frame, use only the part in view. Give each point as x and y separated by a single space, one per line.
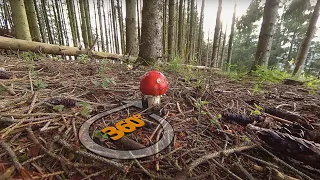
153 83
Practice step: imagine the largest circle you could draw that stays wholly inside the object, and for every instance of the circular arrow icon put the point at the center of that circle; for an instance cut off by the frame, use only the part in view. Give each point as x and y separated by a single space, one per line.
164 142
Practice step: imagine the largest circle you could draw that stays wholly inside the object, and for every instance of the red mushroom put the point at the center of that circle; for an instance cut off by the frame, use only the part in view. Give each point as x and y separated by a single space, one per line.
153 84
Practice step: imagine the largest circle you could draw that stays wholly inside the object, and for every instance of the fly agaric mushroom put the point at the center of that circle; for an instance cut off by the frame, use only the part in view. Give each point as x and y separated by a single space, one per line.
153 84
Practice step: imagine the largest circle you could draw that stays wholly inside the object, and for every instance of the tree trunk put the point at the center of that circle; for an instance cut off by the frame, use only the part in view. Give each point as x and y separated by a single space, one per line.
305 46
23 45
88 22
180 33
286 65
40 22
164 31
32 20
200 34
72 21
120 18
57 21
83 24
20 20
216 35
96 24
138 19
170 30
219 45
101 25
266 33
46 19
105 27
115 29
190 39
223 48
151 31
131 28
231 37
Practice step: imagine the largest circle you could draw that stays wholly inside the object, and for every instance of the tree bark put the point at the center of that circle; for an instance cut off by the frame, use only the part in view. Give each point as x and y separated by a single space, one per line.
200 34
101 25
305 46
180 33
32 20
164 31
190 39
88 22
151 32
72 21
216 35
231 37
170 30
120 18
223 48
20 20
83 24
266 33
131 28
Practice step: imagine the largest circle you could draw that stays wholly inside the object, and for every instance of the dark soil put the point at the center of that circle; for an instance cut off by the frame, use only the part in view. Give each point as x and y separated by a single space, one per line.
207 110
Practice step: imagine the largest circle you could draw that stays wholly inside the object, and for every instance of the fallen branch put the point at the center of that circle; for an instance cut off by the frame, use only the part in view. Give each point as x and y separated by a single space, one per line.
217 154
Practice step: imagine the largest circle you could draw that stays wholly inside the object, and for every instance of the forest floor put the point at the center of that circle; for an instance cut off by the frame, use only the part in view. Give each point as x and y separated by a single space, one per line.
223 129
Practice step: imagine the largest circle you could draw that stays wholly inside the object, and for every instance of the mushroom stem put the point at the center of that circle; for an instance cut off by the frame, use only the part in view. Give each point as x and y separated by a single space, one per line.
153 100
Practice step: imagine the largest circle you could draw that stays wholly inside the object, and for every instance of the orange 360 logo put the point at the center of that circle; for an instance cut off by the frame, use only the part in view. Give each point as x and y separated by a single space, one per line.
125 126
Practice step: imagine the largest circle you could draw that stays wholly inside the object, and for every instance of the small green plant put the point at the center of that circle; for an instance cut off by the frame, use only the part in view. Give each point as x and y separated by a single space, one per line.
199 105
175 65
244 138
265 75
257 110
39 84
101 136
216 120
105 81
58 108
83 58
86 109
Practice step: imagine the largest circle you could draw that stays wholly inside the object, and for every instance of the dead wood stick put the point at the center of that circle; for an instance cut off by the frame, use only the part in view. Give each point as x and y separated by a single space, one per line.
217 154
12 155
260 161
226 170
151 174
89 155
10 91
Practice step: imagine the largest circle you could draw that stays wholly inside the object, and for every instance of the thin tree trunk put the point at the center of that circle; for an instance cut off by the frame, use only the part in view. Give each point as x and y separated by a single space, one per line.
223 48
231 37
207 49
305 46
32 20
20 20
190 39
40 23
151 31
57 22
88 22
101 25
170 30
96 24
131 28
219 45
105 27
83 24
138 19
266 34
120 18
180 33
164 30
216 35
200 34
71 15
115 29
286 66
46 19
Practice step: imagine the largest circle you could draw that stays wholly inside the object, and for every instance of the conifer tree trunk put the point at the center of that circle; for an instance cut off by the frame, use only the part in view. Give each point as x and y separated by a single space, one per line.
96 23
151 43
88 22
266 34
131 28
105 27
138 19
190 38
83 24
72 21
40 22
46 19
164 30
305 46
20 20
120 18
57 21
219 45
115 29
32 20
200 33
170 29
101 25
231 37
180 33
223 48
216 35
